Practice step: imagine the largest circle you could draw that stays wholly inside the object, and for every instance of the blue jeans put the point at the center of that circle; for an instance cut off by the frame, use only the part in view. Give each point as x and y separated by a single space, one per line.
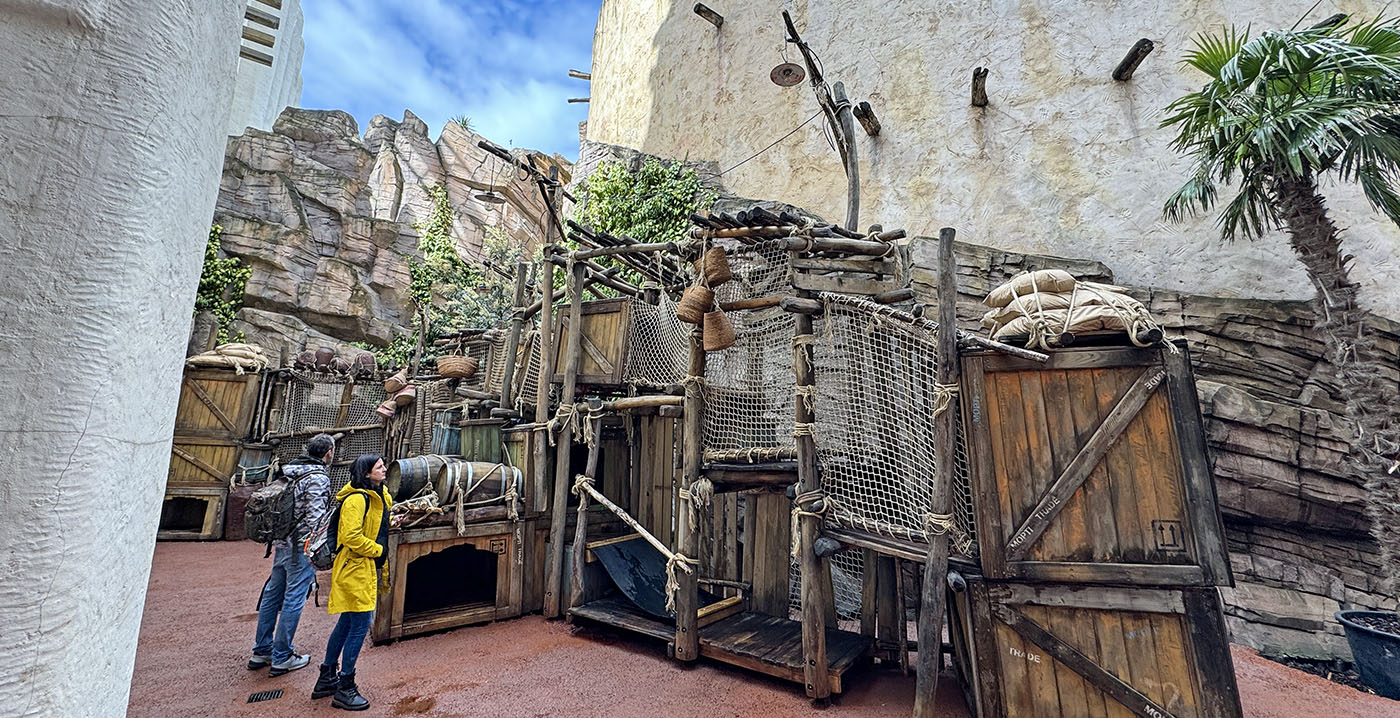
346 639
285 594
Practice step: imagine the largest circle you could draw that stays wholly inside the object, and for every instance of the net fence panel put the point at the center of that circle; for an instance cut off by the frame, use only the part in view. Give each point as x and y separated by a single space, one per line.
749 386
317 401
847 580
658 344
875 377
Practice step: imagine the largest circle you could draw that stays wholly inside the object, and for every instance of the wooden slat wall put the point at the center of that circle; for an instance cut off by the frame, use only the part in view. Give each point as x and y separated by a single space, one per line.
652 502
1137 516
1165 645
605 325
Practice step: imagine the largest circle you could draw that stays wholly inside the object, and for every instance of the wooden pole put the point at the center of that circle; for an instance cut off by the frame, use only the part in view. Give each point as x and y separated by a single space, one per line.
687 532
554 566
1130 62
581 525
979 86
517 324
934 594
848 132
540 445
815 668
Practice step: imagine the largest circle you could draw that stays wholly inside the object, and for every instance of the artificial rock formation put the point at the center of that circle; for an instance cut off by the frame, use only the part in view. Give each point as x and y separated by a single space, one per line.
111 128
325 220
1294 508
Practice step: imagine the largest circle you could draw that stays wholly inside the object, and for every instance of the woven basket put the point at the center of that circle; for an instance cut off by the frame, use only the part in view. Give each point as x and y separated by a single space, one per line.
719 331
694 303
398 381
713 266
406 395
457 367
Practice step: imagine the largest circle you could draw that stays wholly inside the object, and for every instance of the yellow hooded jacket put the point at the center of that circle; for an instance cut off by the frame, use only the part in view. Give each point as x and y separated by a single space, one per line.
353 584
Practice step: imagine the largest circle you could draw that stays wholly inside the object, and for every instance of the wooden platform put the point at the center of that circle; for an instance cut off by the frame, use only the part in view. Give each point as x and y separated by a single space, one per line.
758 642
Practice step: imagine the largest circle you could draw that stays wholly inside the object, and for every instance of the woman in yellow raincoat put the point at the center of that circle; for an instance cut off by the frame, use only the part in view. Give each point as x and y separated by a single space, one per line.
361 538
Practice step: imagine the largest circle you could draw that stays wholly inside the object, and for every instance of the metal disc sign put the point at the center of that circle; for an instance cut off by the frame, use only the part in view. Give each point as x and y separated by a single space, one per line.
787 74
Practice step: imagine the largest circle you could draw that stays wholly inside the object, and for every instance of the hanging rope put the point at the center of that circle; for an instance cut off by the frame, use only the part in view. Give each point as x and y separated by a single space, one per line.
808 396
673 584
943 396
700 494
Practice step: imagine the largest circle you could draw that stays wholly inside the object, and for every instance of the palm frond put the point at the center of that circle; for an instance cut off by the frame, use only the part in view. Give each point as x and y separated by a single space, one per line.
1197 195
1250 214
1380 189
1211 52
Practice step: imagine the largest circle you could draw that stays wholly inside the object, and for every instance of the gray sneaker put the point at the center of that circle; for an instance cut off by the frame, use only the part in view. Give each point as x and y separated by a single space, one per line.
257 662
289 665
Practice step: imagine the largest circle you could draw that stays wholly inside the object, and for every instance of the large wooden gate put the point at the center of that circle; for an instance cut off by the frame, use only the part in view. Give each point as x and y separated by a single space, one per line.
1091 467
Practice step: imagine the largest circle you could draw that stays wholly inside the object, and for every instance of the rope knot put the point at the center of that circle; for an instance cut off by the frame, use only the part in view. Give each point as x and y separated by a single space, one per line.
673 584
581 484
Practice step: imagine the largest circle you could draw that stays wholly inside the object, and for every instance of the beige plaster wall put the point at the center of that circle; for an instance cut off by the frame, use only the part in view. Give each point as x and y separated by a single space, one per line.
1064 160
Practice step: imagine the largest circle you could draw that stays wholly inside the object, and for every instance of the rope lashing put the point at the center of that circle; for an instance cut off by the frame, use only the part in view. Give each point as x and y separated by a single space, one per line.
582 483
673 584
937 524
808 395
804 428
563 417
693 380
943 396
698 496
807 503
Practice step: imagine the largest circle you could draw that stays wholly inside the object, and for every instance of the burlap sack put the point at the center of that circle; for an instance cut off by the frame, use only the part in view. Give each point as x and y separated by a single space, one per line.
1044 280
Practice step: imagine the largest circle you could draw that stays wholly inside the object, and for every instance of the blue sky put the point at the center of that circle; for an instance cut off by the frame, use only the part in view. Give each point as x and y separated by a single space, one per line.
503 63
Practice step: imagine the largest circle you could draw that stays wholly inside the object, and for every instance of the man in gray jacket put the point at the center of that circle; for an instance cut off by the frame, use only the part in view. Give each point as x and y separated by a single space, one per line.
284 594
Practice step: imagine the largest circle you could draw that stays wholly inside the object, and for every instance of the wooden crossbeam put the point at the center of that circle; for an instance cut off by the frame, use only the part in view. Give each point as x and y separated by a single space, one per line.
1078 470
198 463
214 409
1087 669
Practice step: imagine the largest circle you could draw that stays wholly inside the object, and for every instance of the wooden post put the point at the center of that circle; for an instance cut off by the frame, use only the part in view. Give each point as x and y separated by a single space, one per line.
554 566
1130 62
581 526
848 132
866 114
814 664
934 594
979 86
889 612
687 531
517 324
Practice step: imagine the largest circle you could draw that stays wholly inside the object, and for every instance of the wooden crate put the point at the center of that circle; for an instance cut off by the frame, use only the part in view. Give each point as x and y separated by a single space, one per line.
213 419
481 439
520 453
1092 467
394 619
192 513
1040 650
603 346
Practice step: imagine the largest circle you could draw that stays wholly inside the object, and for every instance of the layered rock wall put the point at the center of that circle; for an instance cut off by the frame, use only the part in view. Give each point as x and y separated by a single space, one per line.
1294 510
325 220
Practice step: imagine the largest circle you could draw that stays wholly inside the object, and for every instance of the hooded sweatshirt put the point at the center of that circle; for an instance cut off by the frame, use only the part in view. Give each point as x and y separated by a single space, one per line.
311 487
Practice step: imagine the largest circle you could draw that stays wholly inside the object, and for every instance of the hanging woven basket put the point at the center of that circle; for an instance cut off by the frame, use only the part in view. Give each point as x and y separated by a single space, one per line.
395 383
457 367
713 267
406 395
694 303
719 331
387 408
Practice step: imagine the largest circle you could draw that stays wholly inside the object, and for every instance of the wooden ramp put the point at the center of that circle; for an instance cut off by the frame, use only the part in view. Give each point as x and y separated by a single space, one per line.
758 642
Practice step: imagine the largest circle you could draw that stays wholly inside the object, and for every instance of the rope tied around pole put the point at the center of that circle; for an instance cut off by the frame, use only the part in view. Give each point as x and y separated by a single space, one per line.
582 483
698 496
804 428
673 584
943 396
808 395
807 503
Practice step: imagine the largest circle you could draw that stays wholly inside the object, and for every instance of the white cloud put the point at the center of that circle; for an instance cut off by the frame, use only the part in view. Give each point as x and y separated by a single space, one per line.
504 64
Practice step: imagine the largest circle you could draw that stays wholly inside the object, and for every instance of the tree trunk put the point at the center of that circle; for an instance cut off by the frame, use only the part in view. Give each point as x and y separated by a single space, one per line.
1370 401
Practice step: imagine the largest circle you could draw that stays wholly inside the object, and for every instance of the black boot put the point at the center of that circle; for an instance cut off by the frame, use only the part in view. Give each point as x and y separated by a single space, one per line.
348 697
328 683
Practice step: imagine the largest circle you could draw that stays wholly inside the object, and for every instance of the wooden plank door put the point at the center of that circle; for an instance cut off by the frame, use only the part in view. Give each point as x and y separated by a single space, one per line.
1092 468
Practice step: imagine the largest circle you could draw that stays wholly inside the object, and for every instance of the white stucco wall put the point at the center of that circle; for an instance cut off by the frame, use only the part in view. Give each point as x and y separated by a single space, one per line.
262 92
1064 160
111 140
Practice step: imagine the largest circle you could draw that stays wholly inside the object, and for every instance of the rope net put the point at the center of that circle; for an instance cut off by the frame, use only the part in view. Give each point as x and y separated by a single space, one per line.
658 350
847 578
876 400
314 400
749 386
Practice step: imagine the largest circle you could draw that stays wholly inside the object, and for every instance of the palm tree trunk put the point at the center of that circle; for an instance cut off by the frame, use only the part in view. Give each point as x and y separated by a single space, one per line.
1371 402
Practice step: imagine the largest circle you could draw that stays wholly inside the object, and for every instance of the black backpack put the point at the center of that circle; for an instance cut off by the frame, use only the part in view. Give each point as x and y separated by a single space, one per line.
271 512
324 542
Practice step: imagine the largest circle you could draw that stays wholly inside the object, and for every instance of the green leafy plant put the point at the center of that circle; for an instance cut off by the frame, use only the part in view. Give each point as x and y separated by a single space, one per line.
1278 113
464 121
652 205
221 285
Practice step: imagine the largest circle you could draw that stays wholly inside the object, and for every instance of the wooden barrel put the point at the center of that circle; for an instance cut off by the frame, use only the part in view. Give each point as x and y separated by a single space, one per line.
485 478
406 477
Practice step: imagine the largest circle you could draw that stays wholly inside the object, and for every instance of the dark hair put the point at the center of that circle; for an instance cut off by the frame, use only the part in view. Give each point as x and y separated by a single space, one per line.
359 472
319 446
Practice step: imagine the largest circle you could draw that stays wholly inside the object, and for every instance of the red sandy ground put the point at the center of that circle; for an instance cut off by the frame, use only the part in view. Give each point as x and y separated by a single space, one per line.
199 621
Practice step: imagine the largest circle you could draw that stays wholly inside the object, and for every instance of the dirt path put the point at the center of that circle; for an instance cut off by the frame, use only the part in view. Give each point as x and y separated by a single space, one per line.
198 628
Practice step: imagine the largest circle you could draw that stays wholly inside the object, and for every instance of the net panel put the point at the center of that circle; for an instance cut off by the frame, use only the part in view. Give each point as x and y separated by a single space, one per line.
658 344
749 386
313 400
876 394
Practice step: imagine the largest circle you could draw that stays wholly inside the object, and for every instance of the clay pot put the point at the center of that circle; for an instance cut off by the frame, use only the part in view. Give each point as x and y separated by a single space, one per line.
719 332
341 365
694 303
365 364
325 357
457 367
305 360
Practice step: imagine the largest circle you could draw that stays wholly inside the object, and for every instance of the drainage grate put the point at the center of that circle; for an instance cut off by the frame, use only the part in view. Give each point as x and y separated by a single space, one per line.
265 696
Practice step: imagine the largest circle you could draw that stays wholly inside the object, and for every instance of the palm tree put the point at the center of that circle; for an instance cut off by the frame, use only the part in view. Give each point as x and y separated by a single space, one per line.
1277 113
